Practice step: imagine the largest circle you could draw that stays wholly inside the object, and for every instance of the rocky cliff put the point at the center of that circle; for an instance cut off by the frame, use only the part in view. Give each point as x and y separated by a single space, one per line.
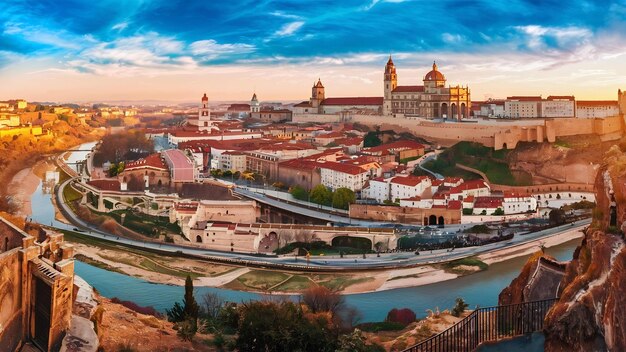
590 314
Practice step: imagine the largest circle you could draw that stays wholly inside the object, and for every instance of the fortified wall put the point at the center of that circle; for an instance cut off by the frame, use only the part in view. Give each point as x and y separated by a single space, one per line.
406 215
36 288
499 134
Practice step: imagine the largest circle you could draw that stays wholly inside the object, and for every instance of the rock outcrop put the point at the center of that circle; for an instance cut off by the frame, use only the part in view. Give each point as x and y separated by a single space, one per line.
590 314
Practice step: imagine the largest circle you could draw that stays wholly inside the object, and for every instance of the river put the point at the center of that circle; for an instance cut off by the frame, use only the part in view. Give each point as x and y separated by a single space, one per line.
477 289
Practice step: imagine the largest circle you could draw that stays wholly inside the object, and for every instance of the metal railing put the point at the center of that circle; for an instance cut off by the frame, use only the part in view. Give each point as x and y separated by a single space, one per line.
488 324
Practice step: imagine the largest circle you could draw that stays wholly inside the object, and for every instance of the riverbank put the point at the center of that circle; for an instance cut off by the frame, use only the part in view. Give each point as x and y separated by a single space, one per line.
172 270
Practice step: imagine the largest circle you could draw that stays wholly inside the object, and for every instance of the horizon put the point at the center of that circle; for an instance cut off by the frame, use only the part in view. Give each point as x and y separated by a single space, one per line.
172 52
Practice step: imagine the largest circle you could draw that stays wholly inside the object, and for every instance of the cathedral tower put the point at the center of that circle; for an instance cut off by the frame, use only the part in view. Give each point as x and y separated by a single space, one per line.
254 104
317 94
390 83
204 114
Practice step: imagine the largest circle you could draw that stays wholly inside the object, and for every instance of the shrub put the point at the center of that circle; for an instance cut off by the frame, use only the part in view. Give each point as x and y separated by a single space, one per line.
459 308
381 326
403 316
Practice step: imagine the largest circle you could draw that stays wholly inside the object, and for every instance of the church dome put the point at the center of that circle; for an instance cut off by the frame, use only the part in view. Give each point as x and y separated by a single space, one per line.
434 75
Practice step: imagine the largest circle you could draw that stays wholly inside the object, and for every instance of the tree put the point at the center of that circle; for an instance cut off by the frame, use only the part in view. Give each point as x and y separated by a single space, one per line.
343 197
403 316
320 194
299 193
213 304
459 308
557 217
371 139
322 299
498 211
189 309
266 326
191 306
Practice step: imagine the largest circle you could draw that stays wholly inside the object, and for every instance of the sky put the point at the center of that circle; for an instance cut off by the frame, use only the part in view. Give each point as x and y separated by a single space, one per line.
169 50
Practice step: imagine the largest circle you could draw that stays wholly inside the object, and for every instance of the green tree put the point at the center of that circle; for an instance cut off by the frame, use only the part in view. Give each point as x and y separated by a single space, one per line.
498 211
459 307
320 194
343 197
299 193
283 326
371 139
557 217
189 309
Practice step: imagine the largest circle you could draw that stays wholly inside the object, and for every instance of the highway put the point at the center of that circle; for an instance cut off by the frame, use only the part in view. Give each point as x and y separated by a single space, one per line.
319 263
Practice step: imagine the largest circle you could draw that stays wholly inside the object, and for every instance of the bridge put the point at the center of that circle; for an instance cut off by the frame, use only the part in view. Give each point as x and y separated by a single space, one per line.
488 324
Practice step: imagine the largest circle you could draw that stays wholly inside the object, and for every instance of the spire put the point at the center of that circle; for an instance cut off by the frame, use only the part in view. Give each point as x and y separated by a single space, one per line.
319 83
254 97
434 66
390 61
205 98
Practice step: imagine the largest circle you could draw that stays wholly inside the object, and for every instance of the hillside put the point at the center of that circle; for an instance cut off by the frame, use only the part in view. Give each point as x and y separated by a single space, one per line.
590 314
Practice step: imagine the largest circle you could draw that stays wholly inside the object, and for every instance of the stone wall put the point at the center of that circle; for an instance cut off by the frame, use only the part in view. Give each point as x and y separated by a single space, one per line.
24 266
405 215
498 134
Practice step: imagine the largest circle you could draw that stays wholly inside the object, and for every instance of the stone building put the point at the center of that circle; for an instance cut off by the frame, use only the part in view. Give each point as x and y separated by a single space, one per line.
36 288
430 100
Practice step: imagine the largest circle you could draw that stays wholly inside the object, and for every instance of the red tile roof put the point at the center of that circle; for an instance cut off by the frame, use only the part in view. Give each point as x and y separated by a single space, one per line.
106 185
560 97
581 103
409 180
239 107
152 161
455 204
488 202
467 185
304 104
344 168
409 89
353 101
299 164
525 98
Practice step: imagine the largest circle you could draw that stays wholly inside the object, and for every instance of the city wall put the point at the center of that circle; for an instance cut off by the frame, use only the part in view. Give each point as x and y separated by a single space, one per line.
403 215
499 134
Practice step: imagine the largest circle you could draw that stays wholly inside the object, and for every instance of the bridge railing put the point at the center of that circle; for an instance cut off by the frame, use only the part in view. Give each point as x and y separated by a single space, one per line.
488 324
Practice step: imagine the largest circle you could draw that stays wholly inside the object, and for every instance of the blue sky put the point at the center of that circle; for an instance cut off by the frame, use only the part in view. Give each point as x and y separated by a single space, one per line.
171 50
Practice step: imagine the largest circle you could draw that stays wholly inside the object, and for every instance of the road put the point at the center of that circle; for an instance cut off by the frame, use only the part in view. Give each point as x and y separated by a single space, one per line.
386 260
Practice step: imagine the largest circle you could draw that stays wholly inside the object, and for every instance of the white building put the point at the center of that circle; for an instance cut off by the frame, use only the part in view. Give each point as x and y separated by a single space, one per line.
233 161
514 203
586 109
522 107
416 202
475 188
336 175
558 106
408 186
492 108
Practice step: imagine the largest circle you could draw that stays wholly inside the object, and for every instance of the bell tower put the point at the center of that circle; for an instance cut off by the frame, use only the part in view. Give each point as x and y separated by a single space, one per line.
317 94
390 82
254 104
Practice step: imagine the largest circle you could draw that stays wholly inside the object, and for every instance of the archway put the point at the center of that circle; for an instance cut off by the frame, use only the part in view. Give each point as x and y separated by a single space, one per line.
463 111
453 110
199 239
435 110
441 221
425 221
444 110
504 146
432 220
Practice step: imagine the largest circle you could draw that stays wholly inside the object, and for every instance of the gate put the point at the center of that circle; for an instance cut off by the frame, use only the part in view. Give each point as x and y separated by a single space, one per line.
43 303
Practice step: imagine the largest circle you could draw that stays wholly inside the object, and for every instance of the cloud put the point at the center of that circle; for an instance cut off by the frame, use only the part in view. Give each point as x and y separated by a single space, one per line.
120 26
285 15
289 29
211 48
375 2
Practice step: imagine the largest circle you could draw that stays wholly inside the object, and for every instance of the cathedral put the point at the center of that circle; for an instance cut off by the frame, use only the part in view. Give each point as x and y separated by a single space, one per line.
430 100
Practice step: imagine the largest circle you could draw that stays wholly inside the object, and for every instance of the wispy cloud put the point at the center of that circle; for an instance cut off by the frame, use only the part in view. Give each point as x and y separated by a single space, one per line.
289 28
